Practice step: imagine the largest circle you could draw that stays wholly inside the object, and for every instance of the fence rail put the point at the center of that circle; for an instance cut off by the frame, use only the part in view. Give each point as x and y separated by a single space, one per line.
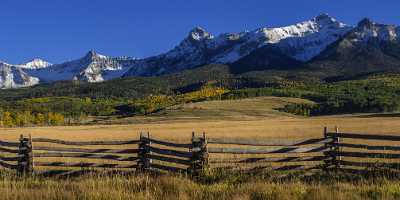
84 165
371 164
267 150
84 150
333 151
7 150
9 144
269 142
169 159
84 155
169 152
370 147
55 141
8 165
274 159
168 144
364 136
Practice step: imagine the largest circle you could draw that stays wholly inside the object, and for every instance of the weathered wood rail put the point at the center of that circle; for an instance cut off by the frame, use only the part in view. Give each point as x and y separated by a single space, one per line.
332 151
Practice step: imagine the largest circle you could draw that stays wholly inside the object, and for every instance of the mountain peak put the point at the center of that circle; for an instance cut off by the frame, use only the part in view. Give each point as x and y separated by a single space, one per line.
325 19
92 54
36 60
198 33
367 29
323 16
3 63
366 22
35 63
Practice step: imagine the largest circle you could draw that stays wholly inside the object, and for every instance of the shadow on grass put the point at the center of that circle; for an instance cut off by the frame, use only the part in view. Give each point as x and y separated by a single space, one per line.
379 115
305 176
223 175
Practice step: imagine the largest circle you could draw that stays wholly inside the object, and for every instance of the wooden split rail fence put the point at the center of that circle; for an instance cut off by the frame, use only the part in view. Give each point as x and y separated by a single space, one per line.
332 151
144 154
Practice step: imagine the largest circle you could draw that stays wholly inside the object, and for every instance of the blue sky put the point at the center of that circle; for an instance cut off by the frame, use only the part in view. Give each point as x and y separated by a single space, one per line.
59 30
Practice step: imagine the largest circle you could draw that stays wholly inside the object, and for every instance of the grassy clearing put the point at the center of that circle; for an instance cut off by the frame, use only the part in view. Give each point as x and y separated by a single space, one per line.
243 109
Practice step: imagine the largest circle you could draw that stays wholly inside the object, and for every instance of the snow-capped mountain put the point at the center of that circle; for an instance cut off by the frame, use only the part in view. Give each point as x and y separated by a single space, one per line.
301 41
367 30
36 63
93 67
15 77
320 41
369 47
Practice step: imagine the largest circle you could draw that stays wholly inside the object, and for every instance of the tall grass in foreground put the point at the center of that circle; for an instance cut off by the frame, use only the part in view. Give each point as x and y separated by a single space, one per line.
123 186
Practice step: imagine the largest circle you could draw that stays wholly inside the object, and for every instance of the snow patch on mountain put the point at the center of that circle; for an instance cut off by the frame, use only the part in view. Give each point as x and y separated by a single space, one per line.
93 67
15 77
36 63
301 41
199 34
367 30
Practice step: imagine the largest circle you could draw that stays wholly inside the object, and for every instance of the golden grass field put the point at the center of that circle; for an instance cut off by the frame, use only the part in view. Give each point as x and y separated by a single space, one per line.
250 118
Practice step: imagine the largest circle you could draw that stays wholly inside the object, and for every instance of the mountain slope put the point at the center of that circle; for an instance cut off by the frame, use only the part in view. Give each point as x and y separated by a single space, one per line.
369 47
14 77
36 63
300 42
93 67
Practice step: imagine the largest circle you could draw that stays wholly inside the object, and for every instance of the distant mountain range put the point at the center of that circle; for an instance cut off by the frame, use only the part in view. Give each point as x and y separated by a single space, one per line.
322 43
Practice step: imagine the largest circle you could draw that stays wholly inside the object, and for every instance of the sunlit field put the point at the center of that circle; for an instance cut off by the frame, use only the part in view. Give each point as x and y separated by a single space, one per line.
284 127
250 118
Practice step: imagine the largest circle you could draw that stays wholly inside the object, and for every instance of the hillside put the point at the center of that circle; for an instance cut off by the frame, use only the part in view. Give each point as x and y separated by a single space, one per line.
129 87
49 105
237 110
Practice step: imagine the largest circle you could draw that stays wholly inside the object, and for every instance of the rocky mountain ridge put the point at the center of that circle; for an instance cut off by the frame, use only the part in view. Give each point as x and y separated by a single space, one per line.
320 41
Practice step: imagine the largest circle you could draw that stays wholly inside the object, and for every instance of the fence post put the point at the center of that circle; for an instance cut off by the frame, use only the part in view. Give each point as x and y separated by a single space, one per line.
194 169
139 166
337 149
25 162
30 155
328 154
21 155
333 149
149 161
143 163
199 155
204 152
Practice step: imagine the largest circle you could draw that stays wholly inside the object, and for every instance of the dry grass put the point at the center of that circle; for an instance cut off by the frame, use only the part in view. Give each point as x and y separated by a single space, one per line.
250 118
283 127
100 186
